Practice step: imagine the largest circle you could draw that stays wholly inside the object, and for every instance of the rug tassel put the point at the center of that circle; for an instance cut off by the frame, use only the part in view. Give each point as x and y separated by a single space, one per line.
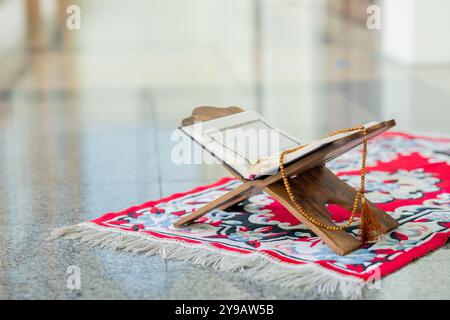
370 229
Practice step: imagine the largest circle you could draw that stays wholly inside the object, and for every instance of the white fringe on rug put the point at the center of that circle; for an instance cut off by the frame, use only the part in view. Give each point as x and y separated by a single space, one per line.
256 267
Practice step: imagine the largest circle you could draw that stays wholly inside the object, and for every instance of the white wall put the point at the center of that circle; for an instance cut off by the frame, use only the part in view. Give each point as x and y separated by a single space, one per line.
416 31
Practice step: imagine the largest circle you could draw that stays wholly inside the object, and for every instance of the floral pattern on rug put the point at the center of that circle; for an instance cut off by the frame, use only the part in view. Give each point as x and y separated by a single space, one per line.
408 177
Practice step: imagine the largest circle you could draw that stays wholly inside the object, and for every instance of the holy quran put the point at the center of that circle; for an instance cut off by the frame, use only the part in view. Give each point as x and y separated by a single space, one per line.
249 145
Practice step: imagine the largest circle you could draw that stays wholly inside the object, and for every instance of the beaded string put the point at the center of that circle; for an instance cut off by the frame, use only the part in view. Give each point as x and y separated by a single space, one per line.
359 194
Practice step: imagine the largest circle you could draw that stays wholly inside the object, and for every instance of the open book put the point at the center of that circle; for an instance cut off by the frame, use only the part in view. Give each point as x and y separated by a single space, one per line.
249 145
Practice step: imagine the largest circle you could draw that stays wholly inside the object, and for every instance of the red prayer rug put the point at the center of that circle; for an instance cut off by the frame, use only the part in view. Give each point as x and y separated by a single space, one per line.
408 177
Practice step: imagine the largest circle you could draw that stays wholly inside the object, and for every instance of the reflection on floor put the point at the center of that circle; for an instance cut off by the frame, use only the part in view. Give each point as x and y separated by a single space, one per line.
86 118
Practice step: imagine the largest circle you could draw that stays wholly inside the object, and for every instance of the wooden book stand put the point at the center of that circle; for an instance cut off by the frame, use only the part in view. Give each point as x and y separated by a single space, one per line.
314 185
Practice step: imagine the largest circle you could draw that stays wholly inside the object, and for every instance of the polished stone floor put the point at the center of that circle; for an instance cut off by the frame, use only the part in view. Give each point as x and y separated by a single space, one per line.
86 118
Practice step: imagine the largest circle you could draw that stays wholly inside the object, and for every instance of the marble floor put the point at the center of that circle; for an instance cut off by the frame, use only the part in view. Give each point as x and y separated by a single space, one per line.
86 118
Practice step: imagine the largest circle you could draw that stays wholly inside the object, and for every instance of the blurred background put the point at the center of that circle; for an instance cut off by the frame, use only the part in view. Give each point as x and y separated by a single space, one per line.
90 92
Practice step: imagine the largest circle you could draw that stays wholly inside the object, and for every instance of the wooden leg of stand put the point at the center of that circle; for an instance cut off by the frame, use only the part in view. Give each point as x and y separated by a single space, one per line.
234 196
340 242
340 193
313 190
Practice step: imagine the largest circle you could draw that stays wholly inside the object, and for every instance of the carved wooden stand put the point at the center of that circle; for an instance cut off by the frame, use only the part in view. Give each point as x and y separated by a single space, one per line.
314 185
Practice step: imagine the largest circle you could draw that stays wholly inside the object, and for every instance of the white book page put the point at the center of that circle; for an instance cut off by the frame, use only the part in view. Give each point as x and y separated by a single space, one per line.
241 140
271 163
232 140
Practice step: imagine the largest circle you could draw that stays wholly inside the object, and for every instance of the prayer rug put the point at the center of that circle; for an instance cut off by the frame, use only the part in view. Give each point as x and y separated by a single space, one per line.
408 177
